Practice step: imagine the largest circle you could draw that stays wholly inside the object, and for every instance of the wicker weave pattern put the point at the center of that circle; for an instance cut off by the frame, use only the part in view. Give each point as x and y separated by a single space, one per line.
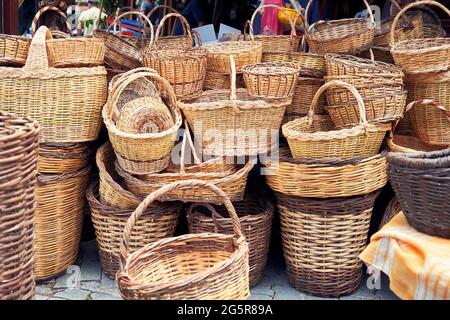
39 15
345 65
411 27
63 157
75 52
193 266
322 240
19 151
172 42
391 211
435 86
13 50
222 81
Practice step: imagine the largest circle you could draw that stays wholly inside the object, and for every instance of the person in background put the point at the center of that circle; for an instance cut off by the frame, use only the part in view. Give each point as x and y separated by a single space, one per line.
147 6
88 19
197 14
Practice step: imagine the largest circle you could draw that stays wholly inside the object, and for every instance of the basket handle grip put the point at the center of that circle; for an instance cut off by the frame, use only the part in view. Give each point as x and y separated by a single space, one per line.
338 83
159 7
155 195
143 17
37 54
196 34
252 20
233 96
413 5
215 215
183 21
39 14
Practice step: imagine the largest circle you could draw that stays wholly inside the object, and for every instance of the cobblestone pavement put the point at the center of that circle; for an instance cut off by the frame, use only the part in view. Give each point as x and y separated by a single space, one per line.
93 284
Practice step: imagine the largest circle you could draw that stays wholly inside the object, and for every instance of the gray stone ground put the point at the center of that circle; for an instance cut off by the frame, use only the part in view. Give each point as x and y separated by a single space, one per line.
93 284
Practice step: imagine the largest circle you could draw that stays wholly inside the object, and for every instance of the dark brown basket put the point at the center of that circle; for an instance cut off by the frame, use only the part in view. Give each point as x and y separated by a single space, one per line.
19 142
421 182
256 222
322 241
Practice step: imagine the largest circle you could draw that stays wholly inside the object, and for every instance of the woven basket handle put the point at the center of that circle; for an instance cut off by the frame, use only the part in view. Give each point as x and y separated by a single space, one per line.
252 20
308 6
338 83
187 139
159 7
197 35
140 15
155 195
233 96
215 215
118 78
37 54
413 5
183 21
405 18
39 14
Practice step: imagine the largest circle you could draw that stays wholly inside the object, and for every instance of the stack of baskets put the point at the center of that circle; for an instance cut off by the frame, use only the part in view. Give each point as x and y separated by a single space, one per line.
19 142
75 86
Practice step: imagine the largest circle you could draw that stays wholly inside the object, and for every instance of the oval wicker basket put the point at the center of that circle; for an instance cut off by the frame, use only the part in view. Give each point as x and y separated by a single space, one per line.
19 143
421 55
157 222
193 266
314 136
75 95
420 181
274 45
322 240
222 81
325 178
141 149
345 65
340 36
185 69
433 86
63 157
174 42
13 50
75 52
60 204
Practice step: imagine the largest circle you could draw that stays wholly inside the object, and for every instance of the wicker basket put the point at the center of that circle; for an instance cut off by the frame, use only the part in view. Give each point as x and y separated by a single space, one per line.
275 45
322 241
75 52
119 53
380 54
193 266
391 211
431 122
255 218
19 138
314 136
185 69
65 102
60 201
347 65
421 55
272 80
421 181
63 157
325 178
55 33
157 222
240 124
174 42
243 53
311 64
141 150
222 81
340 36
13 50
433 86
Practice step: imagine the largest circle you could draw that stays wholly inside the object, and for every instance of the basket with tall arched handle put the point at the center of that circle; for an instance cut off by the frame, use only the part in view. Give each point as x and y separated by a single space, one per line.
178 41
340 36
314 136
421 55
189 267
58 33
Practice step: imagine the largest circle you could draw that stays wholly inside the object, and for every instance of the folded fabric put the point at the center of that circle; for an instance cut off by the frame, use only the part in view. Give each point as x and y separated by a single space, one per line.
417 264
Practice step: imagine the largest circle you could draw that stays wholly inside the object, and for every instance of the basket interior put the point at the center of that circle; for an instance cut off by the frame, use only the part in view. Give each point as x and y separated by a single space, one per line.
417 44
320 123
331 30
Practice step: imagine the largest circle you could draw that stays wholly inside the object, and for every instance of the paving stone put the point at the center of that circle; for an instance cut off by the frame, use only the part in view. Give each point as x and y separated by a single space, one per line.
55 298
91 285
41 297
107 282
73 294
257 296
104 296
262 289
45 289
91 271
111 291
286 293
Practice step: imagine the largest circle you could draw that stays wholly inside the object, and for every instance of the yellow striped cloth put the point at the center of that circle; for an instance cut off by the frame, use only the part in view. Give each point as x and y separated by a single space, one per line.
417 264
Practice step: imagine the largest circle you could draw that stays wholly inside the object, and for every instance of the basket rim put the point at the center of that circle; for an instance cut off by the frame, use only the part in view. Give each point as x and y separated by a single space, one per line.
51 73
255 69
231 47
15 37
77 39
55 177
313 34
439 159
404 47
352 61
370 99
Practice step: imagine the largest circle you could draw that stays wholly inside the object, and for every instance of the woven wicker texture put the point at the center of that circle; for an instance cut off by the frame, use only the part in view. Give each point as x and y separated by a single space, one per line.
230 122
345 65
381 54
322 240
431 122
13 50
325 178
66 102
314 136
222 81
255 217
141 147
421 55
75 52
18 169
60 202
391 211
63 157
157 222
421 181
273 80
170 42
185 69
275 44
340 36
243 53
57 33
193 266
